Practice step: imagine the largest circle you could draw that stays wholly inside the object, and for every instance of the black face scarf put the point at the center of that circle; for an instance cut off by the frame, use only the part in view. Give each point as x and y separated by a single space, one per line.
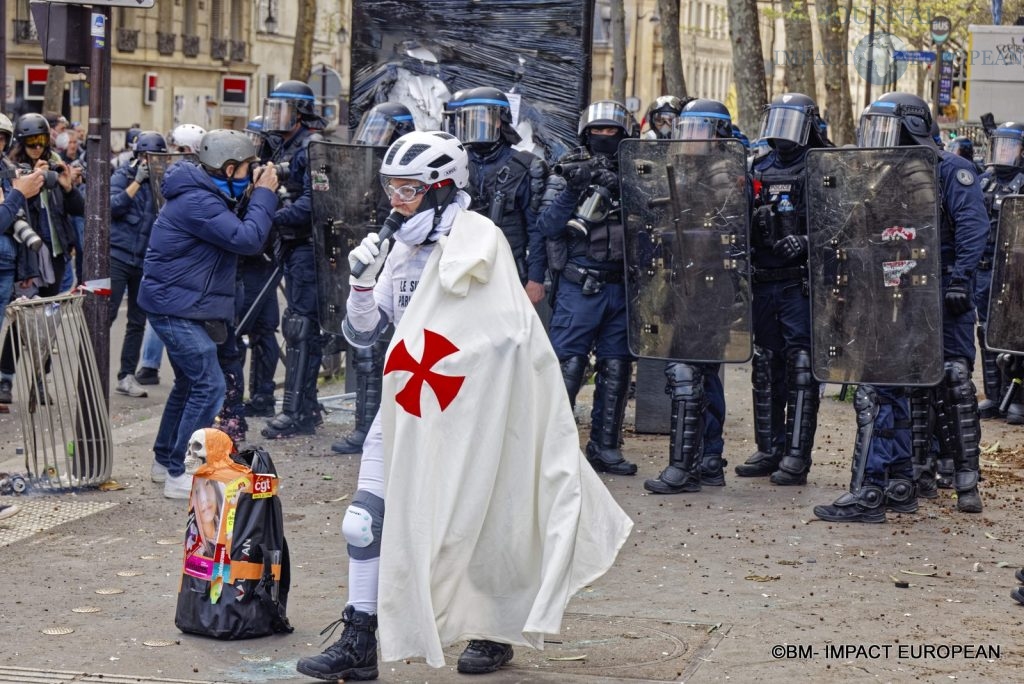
608 145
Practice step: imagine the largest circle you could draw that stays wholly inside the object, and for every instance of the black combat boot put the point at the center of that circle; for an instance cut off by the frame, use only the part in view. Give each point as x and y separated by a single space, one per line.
801 420
962 434
482 657
610 395
765 460
352 657
901 496
712 470
866 505
686 435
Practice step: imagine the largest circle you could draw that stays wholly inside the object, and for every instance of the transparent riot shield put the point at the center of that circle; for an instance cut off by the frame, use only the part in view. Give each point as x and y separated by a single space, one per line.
1005 327
348 204
686 211
158 163
876 303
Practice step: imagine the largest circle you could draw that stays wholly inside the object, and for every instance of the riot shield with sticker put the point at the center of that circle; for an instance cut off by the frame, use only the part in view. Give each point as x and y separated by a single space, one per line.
158 163
348 204
1005 327
875 273
686 211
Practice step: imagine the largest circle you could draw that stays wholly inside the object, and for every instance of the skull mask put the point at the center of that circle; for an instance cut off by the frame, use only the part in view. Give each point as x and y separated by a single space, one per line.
195 455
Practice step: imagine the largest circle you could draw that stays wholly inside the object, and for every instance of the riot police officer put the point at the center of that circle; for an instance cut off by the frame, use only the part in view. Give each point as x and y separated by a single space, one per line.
289 111
506 184
698 396
380 126
1005 176
782 317
582 224
963 233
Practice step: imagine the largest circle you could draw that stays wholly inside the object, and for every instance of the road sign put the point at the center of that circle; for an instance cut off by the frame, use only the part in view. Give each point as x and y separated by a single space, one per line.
325 82
914 56
940 27
137 4
946 79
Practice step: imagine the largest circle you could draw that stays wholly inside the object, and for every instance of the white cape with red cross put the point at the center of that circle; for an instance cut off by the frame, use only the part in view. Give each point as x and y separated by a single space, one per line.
493 517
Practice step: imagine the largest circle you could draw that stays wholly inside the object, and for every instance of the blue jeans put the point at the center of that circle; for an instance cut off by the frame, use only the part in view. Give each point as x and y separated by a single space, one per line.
8 258
152 349
198 390
125 277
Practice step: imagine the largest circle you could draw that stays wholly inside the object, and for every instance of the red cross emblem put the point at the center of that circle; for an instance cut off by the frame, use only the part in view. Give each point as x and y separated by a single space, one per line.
435 348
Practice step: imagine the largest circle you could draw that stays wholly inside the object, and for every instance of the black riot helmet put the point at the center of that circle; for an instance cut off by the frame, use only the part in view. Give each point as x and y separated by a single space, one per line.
480 116
606 114
703 120
962 147
30 125
792 120
896 119
1006 147
662 114
383 124
150 141
288 103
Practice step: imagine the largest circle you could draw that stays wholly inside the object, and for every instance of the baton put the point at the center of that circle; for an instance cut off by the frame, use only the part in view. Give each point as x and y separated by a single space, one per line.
270 285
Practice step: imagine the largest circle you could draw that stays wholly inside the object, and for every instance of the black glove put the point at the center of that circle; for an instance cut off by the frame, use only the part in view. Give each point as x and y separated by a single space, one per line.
958 298
791 246
605 178
579 178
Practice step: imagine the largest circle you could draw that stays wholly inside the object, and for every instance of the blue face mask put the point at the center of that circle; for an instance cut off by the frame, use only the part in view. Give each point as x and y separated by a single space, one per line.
233 188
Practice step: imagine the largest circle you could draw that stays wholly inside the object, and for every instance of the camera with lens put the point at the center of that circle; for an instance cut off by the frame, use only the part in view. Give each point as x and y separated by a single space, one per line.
77 164
50 177
24 234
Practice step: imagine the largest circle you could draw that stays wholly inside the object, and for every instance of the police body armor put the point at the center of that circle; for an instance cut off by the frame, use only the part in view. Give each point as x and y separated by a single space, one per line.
495 187
874 262
292 186
686 206
348 204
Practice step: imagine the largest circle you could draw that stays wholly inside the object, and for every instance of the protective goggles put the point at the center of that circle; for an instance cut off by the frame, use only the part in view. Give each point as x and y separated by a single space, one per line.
405 193
40 140
1005 148
786 123
475 121
663 121
703 126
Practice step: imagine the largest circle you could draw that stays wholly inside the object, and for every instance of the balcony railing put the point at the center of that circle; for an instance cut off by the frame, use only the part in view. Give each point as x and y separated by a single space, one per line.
25 31
238 50
190 46
127 39
165 42
218 48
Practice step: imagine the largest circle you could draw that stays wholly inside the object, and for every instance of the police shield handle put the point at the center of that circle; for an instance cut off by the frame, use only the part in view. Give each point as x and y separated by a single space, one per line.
391 225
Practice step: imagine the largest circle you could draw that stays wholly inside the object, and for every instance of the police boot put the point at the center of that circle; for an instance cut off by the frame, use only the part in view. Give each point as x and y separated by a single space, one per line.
1019 575
1015 414
963 432
260 405
369 385
901 496
712 470
573 369
765 460
686 433
865 505
352 657
610 392
298 333
801 420
482 656
1018 594
920 445
992 376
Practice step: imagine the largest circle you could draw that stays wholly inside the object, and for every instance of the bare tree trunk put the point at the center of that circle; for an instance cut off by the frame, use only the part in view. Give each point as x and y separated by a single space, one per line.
799 76
53 98
618 17
675 82
835 26
747 62
302 54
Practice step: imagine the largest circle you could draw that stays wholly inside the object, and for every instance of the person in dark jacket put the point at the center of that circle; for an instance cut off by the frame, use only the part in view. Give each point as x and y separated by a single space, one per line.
132 213
48 213
188 281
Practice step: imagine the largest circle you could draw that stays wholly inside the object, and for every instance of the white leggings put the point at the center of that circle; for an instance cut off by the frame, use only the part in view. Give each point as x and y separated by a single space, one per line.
363 574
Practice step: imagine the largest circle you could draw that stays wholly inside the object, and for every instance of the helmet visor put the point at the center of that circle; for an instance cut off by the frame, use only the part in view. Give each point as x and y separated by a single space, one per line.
786 123
606 113
698 126
1004 151
879 130
376 129
475 123
279 115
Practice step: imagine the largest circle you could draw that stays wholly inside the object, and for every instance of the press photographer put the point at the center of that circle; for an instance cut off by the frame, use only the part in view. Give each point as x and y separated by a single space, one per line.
15 190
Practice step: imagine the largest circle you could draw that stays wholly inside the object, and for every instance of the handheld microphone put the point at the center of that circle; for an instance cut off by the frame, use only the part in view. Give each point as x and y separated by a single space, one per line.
391 225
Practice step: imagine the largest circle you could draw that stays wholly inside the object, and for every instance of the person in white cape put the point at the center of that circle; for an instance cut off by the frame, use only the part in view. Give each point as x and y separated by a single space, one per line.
494 518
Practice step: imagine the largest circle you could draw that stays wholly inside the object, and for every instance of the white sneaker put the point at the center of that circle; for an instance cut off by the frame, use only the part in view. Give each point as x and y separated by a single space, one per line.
130 386
158 473
179 487
8 510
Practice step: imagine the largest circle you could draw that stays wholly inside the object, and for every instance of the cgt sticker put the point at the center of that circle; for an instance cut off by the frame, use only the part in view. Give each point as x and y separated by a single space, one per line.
319 181
893 270
893 233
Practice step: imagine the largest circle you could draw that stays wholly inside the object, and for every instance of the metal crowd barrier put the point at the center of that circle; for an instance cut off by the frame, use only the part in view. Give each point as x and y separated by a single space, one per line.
64 419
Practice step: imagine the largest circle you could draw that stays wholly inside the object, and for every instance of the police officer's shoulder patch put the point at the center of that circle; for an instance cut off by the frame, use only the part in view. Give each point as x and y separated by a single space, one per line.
965 177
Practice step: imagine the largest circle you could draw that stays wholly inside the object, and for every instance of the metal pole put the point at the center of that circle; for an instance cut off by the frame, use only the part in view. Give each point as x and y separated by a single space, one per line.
871 57
936 74
97 199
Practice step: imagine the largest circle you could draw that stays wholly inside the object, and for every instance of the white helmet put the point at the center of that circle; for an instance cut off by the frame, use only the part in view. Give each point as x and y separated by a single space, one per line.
6 127
427 156
187 135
